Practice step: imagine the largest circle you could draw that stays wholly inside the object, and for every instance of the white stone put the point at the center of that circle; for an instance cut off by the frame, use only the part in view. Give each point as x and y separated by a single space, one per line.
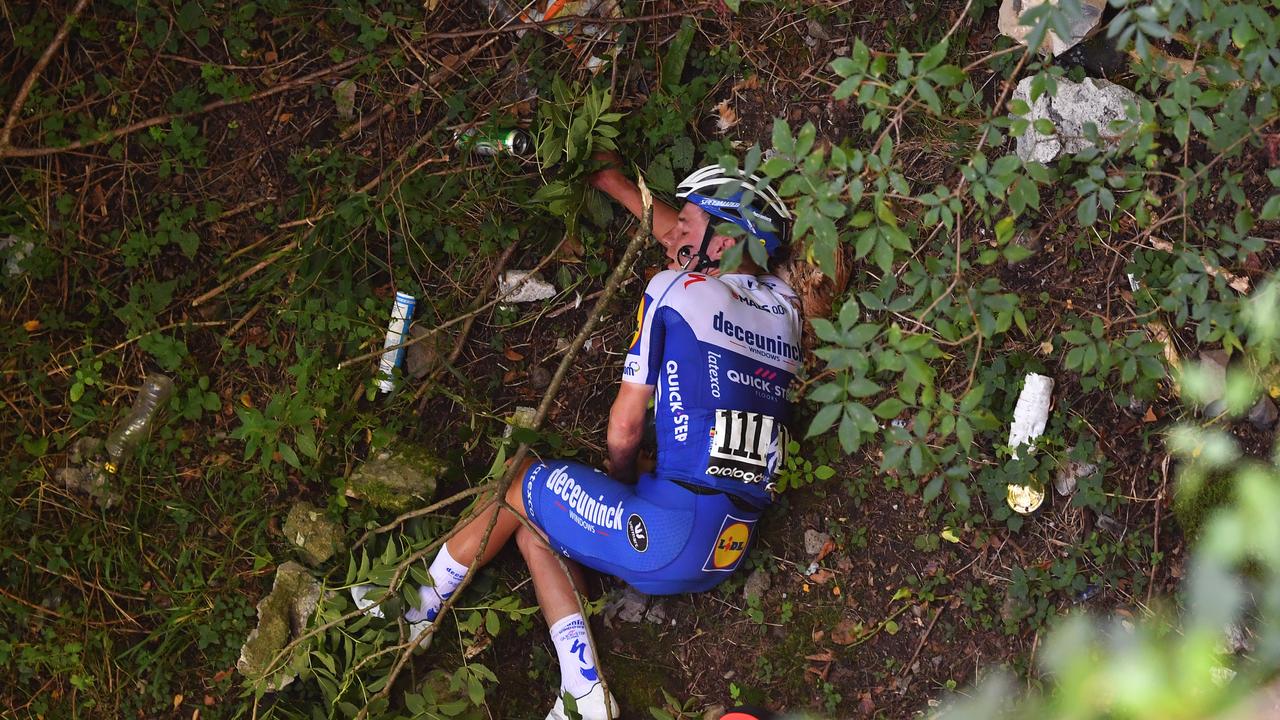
1080 24
1069 474
1070 109
344 99
17 251
533 289
758 583
523 417
814 541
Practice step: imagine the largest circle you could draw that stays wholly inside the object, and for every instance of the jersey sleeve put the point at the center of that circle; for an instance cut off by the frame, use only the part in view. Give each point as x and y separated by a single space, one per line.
644 357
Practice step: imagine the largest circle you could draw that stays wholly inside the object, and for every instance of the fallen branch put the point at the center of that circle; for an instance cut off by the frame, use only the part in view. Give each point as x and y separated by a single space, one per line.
41 64
456 353
258 266
8 151
1238 283
433 80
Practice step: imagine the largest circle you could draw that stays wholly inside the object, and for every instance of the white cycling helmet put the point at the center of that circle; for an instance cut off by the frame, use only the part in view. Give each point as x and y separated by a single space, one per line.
763 218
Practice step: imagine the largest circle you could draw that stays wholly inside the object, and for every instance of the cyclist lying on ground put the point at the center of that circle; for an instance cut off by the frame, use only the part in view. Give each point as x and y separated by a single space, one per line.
716 352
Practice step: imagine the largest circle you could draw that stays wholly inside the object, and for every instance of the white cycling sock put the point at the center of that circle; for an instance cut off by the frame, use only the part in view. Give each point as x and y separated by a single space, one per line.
577 665
446 574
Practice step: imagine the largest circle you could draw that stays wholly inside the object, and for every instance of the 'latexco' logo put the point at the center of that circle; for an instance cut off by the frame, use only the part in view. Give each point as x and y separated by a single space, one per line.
637 533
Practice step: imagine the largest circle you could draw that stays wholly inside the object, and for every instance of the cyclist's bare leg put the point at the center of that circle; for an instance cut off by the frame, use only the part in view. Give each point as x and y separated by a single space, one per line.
554 589
465 546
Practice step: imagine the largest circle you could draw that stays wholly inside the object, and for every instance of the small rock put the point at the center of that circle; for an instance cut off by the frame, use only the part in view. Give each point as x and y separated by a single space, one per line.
1080 26
758 583
1235 639
344 99
633 606
522 418
1070 109
1069 474
1108 524
533 288
15 250
539 377
715 712
1214 365
312 533
627 607
1264 414
1100 56
817 30
421 357
814 541
396 478
282 616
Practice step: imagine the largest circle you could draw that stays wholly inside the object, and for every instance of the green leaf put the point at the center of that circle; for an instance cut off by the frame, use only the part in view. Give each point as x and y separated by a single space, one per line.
947 75
782 140
890 408
932 490
674 61
932 58
1271 211
823 421
289 455
824 472
929 95
844 67
1087 213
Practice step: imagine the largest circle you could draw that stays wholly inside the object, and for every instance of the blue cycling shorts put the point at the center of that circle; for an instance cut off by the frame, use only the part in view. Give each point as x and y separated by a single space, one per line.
657 536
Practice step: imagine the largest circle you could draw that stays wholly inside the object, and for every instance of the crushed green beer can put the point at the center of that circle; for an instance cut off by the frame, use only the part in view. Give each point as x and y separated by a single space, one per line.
506 141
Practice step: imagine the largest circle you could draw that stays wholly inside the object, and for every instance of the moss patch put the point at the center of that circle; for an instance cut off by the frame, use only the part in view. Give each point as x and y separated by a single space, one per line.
397 478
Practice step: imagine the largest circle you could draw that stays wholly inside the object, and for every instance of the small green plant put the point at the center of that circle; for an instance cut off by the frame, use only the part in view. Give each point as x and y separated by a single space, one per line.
797 472
673 709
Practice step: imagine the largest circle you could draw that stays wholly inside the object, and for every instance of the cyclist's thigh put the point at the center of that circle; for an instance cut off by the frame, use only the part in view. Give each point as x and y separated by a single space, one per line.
719 535
602 523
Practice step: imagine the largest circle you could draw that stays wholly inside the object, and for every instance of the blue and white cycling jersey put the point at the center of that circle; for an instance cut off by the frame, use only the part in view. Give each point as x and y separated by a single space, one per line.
721 353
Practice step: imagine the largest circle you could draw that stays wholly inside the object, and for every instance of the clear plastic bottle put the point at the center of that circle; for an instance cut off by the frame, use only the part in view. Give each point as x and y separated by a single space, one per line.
137 425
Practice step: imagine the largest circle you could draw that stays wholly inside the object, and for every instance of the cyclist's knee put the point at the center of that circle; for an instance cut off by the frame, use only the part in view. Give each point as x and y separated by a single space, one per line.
515 491
525 540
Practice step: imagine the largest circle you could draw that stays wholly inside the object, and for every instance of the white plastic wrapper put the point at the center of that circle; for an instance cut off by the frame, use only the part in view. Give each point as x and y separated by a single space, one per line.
1032 411
533 289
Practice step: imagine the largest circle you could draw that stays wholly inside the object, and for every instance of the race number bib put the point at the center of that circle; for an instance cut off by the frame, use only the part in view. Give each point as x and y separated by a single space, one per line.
746 446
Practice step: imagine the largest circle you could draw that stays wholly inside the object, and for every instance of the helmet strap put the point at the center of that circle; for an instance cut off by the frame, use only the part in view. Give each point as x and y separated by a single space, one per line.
704 261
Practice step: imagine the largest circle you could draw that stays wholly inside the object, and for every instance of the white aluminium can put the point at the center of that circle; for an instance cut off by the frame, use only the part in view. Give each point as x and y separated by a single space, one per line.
397 331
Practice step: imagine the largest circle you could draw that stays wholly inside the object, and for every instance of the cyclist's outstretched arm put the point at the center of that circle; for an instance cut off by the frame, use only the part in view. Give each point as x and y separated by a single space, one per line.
613 183
626 428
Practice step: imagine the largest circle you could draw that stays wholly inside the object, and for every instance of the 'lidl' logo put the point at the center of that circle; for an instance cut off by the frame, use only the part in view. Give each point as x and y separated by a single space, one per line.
735 533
